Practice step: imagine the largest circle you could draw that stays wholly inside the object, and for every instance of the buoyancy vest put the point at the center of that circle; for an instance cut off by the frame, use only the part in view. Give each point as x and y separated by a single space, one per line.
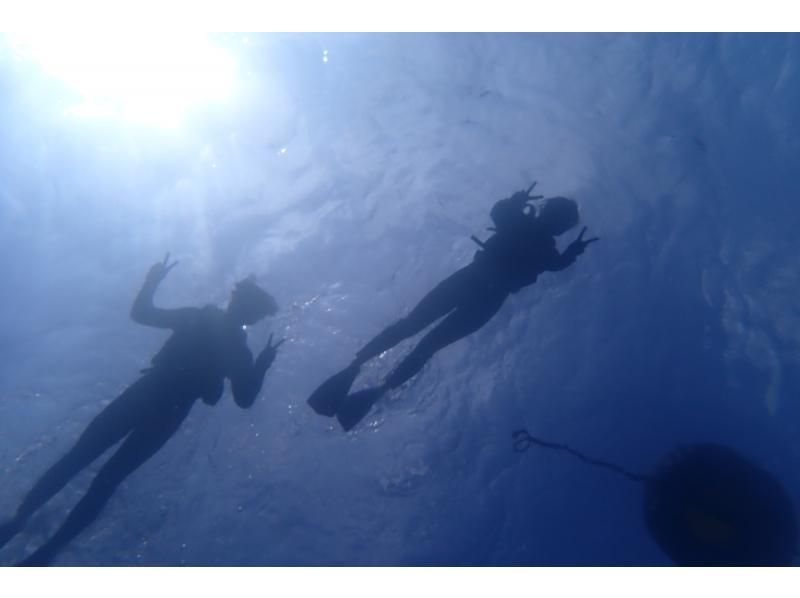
195 357
519 250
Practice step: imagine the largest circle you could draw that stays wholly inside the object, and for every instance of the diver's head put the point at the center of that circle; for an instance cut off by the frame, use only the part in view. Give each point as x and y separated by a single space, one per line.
558 215
250 303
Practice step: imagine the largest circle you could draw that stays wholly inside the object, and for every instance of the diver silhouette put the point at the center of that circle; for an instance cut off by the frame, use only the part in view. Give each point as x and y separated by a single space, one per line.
522 248
206 346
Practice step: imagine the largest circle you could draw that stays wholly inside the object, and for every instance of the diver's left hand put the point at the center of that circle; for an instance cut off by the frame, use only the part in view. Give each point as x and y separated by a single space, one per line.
578 246
270 351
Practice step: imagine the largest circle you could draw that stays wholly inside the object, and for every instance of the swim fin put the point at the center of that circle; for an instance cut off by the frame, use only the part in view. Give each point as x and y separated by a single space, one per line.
330 394
357 405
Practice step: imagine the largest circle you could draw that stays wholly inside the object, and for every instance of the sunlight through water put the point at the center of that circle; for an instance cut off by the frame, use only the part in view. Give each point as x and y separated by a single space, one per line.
148 79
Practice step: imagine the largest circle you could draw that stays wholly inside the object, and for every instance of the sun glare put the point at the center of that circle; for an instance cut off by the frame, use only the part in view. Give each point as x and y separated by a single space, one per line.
145 78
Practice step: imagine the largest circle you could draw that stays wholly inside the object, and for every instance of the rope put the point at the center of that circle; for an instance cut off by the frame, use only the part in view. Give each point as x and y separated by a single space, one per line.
523 441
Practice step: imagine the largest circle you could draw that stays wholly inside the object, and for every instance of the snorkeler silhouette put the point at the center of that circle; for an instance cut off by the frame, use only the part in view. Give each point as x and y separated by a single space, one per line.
207 345
522 247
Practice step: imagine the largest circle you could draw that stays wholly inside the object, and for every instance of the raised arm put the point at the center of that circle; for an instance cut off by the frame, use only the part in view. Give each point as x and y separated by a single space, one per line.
506 213
144 312
571 253
247 377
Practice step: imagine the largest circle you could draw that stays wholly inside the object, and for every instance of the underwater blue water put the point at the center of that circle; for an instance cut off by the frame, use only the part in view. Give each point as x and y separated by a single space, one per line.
350 186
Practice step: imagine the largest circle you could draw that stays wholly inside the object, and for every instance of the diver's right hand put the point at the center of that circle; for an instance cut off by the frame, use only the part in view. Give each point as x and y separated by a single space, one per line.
159 270
523 197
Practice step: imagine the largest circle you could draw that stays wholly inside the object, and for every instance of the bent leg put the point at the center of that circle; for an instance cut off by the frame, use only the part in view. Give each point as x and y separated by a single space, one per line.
105 430
330 396
462 322
142 444
440 301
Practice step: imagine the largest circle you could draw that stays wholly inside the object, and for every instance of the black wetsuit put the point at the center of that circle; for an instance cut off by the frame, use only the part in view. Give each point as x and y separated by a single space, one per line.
204 349
508 261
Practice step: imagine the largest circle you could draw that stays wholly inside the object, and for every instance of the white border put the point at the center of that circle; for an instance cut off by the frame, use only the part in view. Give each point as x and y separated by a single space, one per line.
382 582
405 15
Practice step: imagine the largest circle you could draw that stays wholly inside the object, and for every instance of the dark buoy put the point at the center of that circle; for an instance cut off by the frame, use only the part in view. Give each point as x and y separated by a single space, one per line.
706 505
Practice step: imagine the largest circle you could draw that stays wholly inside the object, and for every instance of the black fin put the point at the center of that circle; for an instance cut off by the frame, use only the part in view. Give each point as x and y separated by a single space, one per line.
327 398
356 407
